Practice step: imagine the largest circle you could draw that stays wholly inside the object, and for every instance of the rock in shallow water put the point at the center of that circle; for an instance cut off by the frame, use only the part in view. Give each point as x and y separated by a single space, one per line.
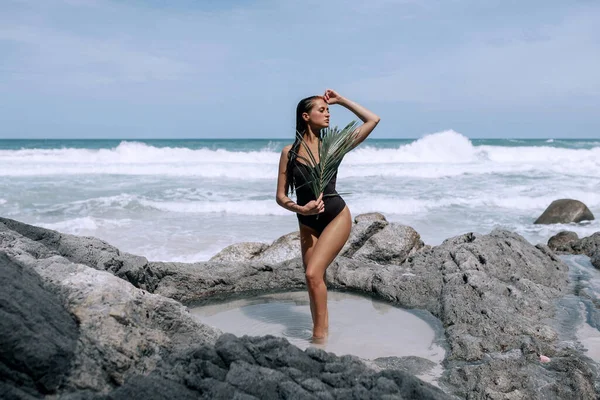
565 211
562 239
590 246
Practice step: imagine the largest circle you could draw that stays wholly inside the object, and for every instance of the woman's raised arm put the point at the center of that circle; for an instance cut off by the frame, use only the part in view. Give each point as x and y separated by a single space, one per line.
369 118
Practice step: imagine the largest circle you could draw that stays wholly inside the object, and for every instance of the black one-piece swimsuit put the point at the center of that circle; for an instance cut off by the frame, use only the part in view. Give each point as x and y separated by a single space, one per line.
333 204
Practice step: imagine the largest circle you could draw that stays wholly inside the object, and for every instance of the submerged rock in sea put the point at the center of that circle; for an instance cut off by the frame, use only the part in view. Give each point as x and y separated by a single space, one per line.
494 295
72 331
590 245
561 239
565 211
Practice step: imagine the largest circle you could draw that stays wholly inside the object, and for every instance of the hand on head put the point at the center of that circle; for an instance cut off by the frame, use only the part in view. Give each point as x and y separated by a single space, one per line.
331 96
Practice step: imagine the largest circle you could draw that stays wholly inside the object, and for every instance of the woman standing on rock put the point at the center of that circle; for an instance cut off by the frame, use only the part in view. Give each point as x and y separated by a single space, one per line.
324 222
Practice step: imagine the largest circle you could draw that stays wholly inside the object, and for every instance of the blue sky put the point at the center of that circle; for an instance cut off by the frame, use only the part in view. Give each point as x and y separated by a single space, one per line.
236 69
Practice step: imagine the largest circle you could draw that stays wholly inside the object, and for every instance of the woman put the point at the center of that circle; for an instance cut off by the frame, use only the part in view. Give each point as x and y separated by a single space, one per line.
324 222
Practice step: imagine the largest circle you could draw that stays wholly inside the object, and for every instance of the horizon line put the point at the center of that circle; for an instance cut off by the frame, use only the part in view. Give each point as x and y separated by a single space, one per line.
284 138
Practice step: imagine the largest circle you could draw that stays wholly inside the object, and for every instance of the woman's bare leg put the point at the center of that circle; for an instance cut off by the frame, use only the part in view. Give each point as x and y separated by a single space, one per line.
329 244
308 241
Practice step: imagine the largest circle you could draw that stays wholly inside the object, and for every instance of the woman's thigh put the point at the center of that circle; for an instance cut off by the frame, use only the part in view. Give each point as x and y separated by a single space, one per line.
331 241
308 241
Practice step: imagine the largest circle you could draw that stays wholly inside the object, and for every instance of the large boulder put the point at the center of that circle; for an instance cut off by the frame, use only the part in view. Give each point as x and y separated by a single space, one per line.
284 248
565 211
390 245
365 226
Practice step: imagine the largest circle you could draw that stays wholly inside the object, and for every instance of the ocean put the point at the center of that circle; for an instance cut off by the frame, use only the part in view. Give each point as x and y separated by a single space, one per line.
185 200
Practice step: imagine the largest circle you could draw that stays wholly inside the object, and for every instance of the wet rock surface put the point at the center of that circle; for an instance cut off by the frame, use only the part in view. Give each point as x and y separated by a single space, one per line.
590 245
494 295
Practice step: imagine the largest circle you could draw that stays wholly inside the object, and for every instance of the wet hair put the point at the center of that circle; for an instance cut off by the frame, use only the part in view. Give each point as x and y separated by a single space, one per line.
304 106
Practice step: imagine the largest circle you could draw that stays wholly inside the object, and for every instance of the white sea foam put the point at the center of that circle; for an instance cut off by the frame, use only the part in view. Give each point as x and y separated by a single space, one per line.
244 207
437 155
73 226
84 225
179 204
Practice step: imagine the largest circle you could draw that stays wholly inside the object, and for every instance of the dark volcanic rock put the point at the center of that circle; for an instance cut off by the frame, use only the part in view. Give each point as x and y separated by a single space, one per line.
271 368
37 335
410 364
564 211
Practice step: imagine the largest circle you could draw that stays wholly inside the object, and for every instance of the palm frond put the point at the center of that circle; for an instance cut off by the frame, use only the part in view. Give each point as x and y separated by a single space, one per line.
333 146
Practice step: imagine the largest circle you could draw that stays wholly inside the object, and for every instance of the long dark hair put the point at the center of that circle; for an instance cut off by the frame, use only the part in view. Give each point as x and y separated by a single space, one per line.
304 106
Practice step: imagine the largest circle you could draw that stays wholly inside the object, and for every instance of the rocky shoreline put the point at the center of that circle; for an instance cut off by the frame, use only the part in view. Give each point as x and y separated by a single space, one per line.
115 325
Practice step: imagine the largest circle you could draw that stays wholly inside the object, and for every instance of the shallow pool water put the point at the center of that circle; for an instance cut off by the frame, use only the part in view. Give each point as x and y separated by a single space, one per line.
358 325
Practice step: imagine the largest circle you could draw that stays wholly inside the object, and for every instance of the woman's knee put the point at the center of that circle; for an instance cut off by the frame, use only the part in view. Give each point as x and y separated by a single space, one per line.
313 276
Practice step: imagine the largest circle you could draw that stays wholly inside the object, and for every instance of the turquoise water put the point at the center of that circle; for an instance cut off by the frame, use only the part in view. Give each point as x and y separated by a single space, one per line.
273 144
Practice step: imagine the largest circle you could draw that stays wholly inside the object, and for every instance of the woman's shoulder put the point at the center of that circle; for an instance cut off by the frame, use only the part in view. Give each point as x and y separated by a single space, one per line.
286 149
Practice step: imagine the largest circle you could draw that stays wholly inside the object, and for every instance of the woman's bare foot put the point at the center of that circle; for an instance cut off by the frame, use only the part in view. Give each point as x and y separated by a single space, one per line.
319 339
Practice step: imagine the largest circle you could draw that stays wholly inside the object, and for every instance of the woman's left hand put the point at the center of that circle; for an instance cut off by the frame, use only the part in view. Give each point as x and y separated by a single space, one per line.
331 97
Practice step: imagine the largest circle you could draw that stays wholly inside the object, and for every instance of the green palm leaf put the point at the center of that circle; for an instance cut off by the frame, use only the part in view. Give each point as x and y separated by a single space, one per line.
334 145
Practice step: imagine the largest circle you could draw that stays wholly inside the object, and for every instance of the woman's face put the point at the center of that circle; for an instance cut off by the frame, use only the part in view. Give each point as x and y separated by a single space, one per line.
318 116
